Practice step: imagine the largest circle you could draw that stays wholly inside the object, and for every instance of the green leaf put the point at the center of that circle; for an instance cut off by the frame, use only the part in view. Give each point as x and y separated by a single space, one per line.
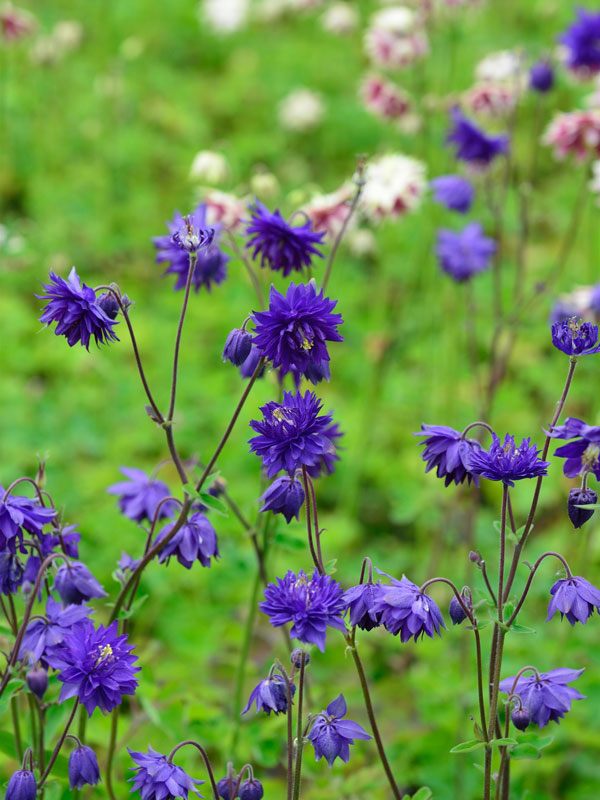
12 687
522 751
481 625
424 793
288 540
126 613
521 628
214 503
535 739
504 742
467 747
508 610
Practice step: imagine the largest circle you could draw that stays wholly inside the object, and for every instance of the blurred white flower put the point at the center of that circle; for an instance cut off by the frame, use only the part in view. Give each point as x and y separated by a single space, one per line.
394 185
224 16
209 167
503 66
395 37
222 208
44 51
264 184
396 19
271 10
340 18
68 34
362 243
301 110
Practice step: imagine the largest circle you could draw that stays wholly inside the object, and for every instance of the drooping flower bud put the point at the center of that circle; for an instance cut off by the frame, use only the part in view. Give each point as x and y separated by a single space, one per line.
21 786
541 77
37 680
520 718
296 657
108 303
226 788
83 768
284 496
251 790
580 497
237 347
456 611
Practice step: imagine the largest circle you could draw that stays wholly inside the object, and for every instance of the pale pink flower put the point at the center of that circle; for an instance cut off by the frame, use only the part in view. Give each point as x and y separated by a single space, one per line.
224 209
490 99
15 22
328 212
575 133
384 99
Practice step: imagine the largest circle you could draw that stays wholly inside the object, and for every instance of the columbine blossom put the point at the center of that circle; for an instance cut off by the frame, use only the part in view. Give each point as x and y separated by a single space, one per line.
279 245
448 452
140 495
19 514
575 133
546 696
331 734
575 598
454 192
196 540
157 778
465 253
284 496
404 609
575 338
473 144
76 584
41 635
360 602
583 454
83 768
581 497
270 695
508 462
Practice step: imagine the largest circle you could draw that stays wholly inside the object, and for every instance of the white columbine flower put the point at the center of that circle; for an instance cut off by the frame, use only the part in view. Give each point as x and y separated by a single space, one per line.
301 110
394 185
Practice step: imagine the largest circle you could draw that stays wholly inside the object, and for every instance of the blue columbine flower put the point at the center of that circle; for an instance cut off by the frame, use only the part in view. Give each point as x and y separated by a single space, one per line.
541 77
473 144
76 584
73 306
140 495
462 254
19 514
83 768
581 497
293 332
575 598
284 496
360 601
196 540
21 786
328 460
270 695
12 572
582 40
583 454
96 666
291 434
506 462
280 245
547 696
237 347
454 192
404 609
331 734
42 635
158 778
447 451
211 261
311 603
575 338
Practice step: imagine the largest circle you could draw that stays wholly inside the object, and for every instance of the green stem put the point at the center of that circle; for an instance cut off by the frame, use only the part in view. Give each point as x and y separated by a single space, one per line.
14 713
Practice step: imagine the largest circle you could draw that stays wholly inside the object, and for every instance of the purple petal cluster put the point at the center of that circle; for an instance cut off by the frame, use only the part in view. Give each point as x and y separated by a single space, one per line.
462 254
311 603
157 778
473 144
279 245
575 338
83 768
76 584
583 454
293 332
574 598
581 497
547 696
196 540
19 514
140 495
96 666
43 635
506 462
447 452
454 192
404 609
72 305
292 434
270 695
360 602
582 41
284 496
332 735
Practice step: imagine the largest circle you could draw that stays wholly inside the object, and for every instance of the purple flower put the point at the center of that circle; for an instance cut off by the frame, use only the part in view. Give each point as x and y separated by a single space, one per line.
407 611
196 540
158 778
561 310
582 455
74 308
582 40
96 666
541 77
455 611
211 261
226 787
448 453
251 789
140 495
126 563
331 734
520 718
280 245
292 434
575 338
329 458
42 635
473 144
360 602
249 366
76 584
310 603
293 332
453 192
37 681
581 497
83 768
506 462
21 786
18 514
12 572
462 254
547 696
270 695
575 598
237 347
284 496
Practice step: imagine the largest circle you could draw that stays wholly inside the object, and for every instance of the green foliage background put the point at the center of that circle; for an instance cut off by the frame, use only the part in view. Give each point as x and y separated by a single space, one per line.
95 158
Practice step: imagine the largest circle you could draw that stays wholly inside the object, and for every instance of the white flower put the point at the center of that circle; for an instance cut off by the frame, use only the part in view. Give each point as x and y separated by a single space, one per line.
209 167
503 66
68 34
396 19
224 16
328 212
340 18
362 243
394 185
301 110
264 184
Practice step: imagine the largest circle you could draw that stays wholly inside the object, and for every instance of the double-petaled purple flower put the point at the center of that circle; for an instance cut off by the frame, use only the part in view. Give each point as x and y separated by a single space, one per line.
284 496
332 735
506 462
575 338
454 192
473 144
18 514
328 460
43 635
270 695
83 768
281 246
76 584
360 602
140 495
96 666
211 261
73 306
462 254
546 696
448 452
583 454
294 331
311 603
196 540
292 434
404 609
157 778
582 41
575 598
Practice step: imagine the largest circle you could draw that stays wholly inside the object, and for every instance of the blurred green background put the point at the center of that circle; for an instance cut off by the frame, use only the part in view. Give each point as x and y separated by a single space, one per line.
97 146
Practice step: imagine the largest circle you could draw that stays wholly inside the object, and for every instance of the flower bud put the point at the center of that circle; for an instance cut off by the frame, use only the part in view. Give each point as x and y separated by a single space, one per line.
577 497
226 788
37 680
296 657
108 303
237 347
21 786
456 611
541 77
520 718
83 768
251 790
474 557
